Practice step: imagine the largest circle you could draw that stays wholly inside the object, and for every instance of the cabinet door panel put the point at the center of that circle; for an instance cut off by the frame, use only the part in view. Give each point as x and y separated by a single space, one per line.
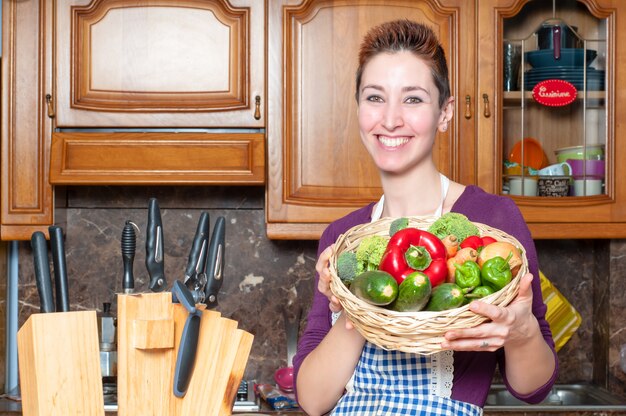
318 168
186 63
597 216
26 194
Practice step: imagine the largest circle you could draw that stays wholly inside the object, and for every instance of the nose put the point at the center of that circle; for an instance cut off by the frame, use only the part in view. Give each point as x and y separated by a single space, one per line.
392 117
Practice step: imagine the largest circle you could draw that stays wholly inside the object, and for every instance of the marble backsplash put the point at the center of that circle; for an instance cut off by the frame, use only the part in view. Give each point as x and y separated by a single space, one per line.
263 277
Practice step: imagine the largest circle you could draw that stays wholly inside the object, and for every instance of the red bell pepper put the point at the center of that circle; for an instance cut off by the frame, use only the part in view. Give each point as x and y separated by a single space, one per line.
412 249
477 242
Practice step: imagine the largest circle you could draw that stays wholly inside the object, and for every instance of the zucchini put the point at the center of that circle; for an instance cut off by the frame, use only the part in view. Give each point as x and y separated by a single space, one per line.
445 296
413 293
375 287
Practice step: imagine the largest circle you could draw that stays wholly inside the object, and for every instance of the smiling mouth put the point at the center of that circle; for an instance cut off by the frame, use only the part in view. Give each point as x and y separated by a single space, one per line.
392 141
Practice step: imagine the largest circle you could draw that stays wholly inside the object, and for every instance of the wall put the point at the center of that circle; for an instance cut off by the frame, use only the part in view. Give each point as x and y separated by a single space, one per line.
262 276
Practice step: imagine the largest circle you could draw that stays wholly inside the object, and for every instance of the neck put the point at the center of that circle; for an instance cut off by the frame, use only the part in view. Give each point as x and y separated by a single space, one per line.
412 195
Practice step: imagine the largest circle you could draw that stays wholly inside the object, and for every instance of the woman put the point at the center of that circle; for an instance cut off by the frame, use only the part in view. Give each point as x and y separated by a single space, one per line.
403 96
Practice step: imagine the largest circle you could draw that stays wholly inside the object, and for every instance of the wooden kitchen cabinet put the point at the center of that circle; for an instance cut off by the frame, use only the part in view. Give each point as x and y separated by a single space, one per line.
318 170
128 92
26 194
594 117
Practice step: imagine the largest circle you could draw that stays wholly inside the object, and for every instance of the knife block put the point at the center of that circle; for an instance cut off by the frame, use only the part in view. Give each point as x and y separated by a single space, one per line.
59 364
149 331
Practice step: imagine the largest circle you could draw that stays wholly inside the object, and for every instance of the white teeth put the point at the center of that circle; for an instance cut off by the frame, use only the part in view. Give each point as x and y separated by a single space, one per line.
393 141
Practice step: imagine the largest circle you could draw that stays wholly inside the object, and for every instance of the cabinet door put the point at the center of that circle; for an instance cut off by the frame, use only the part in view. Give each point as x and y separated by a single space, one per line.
26 80
589 122
318 169
160 63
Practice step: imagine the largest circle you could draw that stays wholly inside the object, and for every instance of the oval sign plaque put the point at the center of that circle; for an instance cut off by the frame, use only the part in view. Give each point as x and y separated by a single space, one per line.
554 92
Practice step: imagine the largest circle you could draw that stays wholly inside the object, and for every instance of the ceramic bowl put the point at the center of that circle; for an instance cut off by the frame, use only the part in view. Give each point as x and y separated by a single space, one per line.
587 168
592 151
569 57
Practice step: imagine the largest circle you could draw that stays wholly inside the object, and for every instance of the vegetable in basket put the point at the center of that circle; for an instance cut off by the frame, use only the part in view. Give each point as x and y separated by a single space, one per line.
480 292
397 225
477 242
375 287
502 249
413 293
413 249
453 223
496 272
445 296
348 267
467 275
370 251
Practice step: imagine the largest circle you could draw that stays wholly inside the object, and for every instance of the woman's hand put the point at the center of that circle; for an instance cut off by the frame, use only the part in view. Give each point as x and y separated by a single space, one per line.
323 284
511 325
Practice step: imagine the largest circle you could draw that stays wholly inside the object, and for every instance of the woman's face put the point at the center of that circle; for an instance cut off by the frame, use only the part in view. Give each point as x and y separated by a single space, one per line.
399 112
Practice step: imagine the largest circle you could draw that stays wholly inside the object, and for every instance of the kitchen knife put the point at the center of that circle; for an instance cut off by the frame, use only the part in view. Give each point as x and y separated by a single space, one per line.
215 263
129 245
57 249
195 275
42 271
187 349
154 248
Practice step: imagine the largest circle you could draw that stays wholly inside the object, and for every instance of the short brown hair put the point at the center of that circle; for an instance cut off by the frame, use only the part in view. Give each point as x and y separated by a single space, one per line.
406 35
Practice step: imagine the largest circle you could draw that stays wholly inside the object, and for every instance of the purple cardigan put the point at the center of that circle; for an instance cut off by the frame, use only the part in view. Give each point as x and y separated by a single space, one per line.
473 371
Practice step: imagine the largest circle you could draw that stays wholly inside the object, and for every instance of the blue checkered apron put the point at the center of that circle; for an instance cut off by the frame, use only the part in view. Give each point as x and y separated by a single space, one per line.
396 383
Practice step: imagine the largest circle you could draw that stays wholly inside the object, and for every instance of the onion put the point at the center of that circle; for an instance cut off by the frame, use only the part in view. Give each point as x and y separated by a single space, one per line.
502 249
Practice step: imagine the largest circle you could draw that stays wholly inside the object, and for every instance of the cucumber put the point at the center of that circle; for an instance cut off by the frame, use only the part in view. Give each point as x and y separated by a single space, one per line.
413 293
445 296
375 287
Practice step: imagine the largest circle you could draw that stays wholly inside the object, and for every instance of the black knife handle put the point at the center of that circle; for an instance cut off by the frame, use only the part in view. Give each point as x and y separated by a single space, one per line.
154 248
57 249
186 359
42 271
215 263
197 256
129 247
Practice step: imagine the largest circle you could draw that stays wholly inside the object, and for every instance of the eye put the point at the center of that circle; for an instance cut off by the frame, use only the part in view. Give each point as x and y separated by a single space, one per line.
413 100
374 98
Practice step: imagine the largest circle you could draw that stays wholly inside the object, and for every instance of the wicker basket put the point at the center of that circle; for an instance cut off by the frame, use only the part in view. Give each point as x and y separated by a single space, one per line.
416 332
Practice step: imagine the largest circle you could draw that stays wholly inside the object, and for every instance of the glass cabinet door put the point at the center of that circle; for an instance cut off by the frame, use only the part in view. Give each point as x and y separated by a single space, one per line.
554 103
548 109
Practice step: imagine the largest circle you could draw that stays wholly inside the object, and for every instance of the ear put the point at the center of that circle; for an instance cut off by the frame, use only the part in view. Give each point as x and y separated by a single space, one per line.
446 115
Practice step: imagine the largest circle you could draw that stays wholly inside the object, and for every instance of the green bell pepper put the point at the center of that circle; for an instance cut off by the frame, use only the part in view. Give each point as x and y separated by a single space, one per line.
480 292
496 272
467 275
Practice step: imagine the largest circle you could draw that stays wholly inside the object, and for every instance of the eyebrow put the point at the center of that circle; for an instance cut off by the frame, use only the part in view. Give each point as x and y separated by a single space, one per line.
404 89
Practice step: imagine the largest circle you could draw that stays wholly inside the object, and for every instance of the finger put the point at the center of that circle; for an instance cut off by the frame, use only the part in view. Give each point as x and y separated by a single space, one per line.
525 284
472 344
334 304
493 312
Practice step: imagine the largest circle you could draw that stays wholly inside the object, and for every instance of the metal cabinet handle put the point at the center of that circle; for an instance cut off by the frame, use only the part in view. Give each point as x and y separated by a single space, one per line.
468 107
486 111
257 107
50 106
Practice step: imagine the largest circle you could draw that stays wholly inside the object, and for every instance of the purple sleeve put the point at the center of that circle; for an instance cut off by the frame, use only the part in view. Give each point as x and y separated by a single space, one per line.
506 216
319 317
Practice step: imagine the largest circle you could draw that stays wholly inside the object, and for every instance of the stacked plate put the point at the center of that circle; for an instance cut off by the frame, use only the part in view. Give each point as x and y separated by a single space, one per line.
569 67
574 75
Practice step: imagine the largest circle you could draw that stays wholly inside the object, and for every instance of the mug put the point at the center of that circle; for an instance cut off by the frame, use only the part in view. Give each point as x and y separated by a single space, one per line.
587 187
527 187
558 169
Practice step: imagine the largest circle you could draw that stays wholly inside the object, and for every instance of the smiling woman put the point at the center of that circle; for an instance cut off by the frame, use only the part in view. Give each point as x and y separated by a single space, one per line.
403 99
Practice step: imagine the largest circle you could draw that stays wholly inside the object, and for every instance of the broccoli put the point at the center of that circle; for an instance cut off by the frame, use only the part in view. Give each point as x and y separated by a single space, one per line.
397 225
453 223
370 251
348 267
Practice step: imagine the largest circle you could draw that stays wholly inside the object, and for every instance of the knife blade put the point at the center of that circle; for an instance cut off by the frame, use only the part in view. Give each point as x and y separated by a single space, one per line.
42 271
129 246
154 248
195 275
57 249
215 263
